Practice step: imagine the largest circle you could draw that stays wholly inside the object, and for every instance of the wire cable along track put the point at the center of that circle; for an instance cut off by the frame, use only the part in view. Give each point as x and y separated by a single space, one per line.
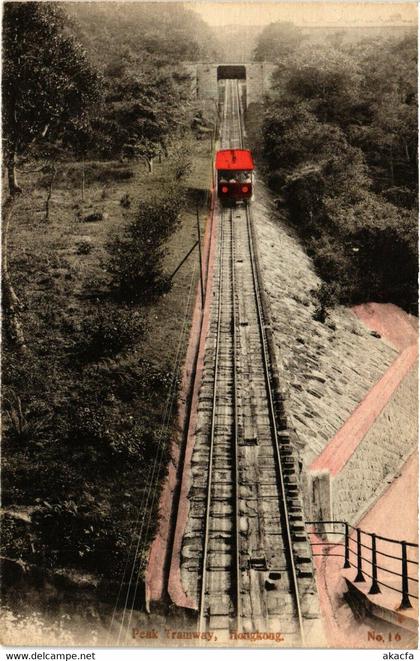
254 572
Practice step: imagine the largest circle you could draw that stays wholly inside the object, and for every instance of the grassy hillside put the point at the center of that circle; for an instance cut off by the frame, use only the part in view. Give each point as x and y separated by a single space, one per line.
91 410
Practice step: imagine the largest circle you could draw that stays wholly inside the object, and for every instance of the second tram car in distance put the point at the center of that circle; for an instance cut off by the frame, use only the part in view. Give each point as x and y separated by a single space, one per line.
235 175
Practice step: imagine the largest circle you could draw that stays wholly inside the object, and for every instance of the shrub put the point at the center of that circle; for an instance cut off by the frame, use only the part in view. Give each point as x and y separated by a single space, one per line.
108 332
16 538
95 427
110 174
84 248
125 201
100 435
95 217
78 534
327 295
136 258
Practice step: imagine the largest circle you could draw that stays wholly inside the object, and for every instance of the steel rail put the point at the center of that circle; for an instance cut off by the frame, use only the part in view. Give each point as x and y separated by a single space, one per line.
235 434
269 390
234 446
212 435
233 131
283 500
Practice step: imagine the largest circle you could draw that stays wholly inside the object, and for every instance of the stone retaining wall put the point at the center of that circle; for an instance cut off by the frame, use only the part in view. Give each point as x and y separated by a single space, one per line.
326 370
204 80
380 455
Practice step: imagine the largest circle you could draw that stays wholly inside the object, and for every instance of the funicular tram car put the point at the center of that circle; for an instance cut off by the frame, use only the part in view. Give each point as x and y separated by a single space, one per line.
235 175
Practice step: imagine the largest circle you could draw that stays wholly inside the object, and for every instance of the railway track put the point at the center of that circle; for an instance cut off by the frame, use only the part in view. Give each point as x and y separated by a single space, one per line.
251 559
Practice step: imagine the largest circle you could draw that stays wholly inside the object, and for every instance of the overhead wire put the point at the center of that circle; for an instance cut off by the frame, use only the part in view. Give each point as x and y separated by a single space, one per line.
153 475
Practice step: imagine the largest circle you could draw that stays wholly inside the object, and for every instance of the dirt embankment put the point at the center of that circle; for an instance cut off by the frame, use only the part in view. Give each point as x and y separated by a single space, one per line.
326 368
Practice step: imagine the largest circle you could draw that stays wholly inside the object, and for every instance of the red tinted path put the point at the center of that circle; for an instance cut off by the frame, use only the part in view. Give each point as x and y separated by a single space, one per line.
397 327
155 574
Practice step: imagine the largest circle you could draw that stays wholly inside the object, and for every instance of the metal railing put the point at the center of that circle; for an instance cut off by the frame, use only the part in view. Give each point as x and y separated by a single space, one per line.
361 548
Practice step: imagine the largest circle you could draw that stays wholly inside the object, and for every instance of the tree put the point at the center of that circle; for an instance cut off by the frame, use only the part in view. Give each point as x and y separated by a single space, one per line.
277 41
49 89
166 33
147 108
328 80
137 256
389 139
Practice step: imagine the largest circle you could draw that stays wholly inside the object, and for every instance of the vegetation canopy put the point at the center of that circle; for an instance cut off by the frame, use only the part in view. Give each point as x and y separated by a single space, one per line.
340 143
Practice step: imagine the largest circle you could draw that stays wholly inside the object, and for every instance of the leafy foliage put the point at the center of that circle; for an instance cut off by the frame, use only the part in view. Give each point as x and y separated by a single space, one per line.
136 257
276 41
109 332
336 136
85 534
48 93
163 34
93 403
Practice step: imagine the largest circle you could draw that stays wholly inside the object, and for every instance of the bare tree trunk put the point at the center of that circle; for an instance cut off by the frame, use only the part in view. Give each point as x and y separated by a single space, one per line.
50 188
150 165
12 175
11 302
391 165
83 180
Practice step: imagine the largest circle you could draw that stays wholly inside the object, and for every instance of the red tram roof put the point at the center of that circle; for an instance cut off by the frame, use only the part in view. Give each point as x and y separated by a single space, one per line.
234 159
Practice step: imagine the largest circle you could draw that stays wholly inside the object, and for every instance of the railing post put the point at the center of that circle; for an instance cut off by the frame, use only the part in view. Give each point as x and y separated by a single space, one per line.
405 601
346 547
374 588
359 576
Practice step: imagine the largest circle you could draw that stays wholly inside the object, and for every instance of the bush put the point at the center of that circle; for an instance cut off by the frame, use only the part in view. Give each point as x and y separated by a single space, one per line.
84 248
114 174
108 332
79 534
142 378
94 172
16 537
327 295
99 435
183 169
136 258
125 201
94 427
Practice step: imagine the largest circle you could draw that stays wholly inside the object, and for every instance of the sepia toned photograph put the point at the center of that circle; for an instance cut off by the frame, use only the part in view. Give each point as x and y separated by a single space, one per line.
210 325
